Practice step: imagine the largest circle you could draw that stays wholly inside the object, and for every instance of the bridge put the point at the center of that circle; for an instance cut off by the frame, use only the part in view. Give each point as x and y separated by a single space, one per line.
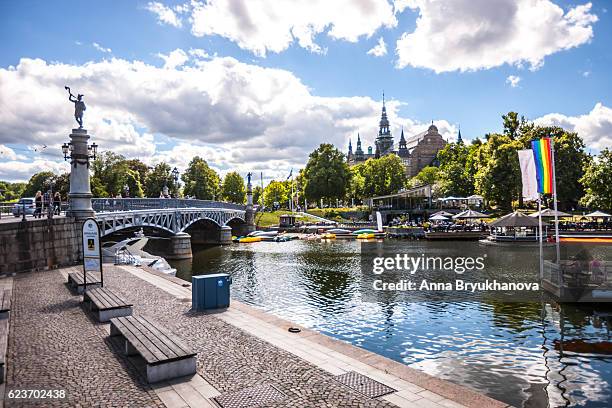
216 221
171 215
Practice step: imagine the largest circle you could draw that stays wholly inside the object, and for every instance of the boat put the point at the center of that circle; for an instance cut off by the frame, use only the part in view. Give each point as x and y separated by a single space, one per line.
366 236
365 231
130 252
263 234
328 236
245 240
338 231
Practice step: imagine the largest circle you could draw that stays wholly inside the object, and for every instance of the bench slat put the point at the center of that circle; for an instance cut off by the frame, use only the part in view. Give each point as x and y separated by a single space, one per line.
120 324
155 341
112 298
77 277
173 340
144 343
101 299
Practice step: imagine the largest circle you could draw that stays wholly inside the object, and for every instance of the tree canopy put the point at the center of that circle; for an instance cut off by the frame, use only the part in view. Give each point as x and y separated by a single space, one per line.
200 180
233 189
326 174
597 181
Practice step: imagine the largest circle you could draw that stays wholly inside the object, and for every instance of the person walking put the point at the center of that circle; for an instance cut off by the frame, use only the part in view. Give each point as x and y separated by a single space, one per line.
57 203
38 201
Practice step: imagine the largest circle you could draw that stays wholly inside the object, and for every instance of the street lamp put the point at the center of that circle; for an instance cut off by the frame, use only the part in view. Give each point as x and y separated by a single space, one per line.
68 151
175 176
126 191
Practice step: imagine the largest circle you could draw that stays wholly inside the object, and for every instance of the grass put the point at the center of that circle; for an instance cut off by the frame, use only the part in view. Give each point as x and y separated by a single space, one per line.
267 219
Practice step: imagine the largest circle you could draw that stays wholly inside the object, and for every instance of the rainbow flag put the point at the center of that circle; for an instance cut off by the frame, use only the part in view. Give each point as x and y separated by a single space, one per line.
542 155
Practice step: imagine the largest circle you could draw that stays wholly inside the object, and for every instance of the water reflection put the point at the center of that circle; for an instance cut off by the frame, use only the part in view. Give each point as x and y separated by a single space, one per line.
529 354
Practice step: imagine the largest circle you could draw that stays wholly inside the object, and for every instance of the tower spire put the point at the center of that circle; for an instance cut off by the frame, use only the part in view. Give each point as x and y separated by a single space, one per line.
459 139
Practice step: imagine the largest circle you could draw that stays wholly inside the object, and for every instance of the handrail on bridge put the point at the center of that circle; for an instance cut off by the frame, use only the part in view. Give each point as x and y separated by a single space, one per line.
133 204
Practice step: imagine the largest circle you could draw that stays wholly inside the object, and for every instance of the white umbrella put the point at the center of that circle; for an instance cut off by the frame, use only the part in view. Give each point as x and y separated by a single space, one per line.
547 212
438 217
470 214
598 214
443 213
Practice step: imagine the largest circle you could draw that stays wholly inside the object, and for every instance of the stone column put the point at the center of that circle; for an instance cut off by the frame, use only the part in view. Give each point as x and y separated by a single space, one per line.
249 216
225 235
80 193
180 246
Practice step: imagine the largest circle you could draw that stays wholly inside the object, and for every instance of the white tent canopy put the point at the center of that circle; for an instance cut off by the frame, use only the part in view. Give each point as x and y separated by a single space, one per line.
547 212
438 217
598 214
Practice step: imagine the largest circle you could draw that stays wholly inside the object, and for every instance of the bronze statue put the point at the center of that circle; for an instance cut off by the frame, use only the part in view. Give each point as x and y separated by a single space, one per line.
79 106
249 178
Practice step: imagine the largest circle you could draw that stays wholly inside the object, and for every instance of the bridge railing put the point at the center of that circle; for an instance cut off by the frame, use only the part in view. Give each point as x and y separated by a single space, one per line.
132 204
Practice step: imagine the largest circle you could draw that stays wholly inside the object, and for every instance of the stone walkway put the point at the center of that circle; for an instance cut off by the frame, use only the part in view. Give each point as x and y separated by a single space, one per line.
53 344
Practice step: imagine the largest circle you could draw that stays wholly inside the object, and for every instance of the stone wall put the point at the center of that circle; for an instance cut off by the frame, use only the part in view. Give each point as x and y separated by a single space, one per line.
39 244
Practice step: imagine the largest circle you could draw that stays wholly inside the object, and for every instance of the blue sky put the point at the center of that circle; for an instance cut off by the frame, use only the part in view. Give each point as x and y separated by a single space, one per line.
451 73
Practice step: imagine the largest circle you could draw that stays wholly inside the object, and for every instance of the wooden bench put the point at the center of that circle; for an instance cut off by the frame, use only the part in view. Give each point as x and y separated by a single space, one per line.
106 305
166 355
4 332
75 280
5 302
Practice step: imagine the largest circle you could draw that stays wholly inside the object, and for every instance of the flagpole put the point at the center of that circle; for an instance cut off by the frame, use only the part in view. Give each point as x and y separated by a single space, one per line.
540 235
552 152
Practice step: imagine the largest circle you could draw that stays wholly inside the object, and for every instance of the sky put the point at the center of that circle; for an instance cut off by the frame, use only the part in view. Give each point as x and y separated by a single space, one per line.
256 85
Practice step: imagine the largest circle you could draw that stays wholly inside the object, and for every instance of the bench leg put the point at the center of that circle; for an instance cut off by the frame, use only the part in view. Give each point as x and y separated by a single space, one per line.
129 349
173 369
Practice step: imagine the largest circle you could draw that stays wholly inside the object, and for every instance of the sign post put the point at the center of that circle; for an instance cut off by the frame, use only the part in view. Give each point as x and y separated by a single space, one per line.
92 250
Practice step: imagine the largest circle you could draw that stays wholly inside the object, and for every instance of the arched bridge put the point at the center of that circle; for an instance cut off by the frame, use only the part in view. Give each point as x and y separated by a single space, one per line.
172 215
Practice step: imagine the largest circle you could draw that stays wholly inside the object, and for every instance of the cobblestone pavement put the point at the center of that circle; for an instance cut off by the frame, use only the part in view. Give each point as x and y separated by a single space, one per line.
231 359
53 344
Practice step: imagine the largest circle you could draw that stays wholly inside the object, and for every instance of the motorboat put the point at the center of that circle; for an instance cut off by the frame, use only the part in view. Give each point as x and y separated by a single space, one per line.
130 252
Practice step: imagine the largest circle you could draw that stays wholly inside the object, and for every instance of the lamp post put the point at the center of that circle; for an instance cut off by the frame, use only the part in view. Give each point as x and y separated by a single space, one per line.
79 153
126 190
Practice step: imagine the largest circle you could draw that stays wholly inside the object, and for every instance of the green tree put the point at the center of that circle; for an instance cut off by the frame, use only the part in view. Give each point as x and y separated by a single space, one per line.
326 174
455 176
139 167
357 184
233 189
570 161
38 182
513 126
597 181
382 176
257 194
498 178
11 191
276 191
428 175
157 178
200 180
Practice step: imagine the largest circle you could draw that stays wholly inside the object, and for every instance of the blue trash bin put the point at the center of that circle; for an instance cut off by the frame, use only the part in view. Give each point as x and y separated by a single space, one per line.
210 291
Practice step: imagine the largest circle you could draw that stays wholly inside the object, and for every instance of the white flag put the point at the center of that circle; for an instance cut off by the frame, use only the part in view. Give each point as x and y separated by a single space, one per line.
528 175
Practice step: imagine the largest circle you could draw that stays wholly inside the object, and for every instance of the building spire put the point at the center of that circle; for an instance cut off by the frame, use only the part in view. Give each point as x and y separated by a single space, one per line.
459 139
402 139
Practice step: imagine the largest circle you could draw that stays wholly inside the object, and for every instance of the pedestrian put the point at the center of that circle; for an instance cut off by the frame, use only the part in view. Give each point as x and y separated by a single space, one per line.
57 203
38 201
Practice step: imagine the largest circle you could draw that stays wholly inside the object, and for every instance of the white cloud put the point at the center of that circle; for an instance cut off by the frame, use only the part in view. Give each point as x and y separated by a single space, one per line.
380 49
6 153
586 74
513 80
263 26
199 53
101 48
594 127
237 115
22 170
166 15
175 59
468 35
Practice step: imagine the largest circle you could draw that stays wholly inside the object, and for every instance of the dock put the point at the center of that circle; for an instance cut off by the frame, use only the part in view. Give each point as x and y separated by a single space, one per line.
244 355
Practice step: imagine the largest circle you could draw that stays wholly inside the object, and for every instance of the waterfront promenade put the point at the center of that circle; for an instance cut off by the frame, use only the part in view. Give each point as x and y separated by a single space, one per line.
243 354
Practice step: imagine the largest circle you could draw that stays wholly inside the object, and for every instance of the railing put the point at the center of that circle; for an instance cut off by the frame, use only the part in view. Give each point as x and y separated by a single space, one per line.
132 204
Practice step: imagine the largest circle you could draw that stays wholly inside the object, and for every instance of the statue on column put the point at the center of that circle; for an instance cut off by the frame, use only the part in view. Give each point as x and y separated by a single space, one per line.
249 178
79 106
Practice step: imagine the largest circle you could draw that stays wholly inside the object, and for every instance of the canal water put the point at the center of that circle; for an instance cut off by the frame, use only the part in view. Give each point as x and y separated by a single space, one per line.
526 353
